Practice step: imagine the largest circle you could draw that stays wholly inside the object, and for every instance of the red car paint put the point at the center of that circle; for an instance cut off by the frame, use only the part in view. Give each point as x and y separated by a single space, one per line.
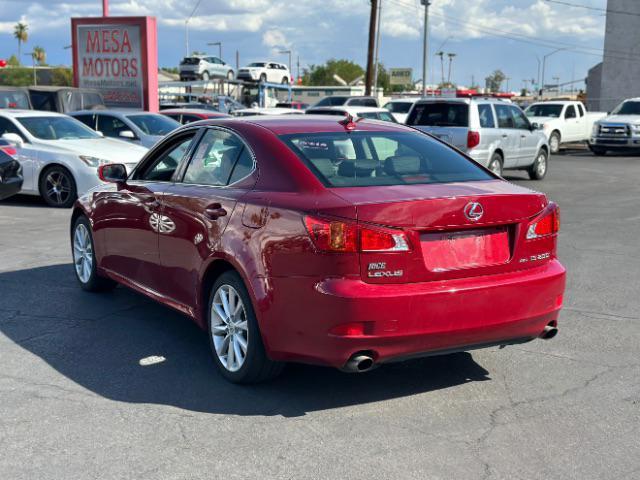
493 285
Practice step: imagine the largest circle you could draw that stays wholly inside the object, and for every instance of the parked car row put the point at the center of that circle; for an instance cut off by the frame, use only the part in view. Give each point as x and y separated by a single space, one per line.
205 67
51 99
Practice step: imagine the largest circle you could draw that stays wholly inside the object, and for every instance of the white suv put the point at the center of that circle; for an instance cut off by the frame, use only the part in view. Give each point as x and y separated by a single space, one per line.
270 72
203 67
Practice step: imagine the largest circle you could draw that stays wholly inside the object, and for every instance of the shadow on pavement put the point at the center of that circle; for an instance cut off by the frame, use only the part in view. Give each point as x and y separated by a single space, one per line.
98 340
24 201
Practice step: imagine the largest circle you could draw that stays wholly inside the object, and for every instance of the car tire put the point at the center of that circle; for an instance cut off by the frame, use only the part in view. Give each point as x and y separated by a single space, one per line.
554 142
84 260
263 78
285 81
237 335
58 187
205 76
495 165
230 75
538 170
600 152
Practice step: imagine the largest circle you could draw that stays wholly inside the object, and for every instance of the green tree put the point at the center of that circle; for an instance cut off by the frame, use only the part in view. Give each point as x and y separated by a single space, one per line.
20 33
39 55
13 61
494 81
323 74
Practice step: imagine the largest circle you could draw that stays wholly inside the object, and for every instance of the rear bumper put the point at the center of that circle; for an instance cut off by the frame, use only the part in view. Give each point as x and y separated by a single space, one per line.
10 186
409 320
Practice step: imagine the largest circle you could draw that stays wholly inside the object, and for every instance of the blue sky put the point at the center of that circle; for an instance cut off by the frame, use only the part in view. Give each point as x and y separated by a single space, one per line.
317 30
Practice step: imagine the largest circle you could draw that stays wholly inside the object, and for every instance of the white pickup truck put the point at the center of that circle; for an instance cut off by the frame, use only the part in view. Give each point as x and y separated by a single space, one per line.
563 121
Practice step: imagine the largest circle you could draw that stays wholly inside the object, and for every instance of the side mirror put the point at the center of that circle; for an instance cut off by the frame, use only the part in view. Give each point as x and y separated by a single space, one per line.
128 134
100 133
535 126
112 173
14 138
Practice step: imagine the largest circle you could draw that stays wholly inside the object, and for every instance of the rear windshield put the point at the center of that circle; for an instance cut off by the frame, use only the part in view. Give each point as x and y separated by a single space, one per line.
16 99
332 102
257 64
360 159
544 110
399 107
440 114
190 61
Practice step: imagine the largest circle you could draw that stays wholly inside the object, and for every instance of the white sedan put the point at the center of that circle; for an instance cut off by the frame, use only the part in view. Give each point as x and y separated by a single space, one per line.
60 156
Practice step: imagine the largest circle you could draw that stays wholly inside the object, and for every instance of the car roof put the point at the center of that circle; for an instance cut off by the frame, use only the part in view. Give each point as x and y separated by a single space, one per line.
14 113
123 112
287 124
410 100
352 109
201 111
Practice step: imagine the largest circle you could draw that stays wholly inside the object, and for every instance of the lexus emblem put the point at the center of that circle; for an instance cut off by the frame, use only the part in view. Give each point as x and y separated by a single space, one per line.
473 211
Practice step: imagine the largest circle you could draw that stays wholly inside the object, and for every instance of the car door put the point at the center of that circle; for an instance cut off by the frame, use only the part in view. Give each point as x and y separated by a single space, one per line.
129 217
509 137
274 74
528 138
573 126
27 154
200 206
217 67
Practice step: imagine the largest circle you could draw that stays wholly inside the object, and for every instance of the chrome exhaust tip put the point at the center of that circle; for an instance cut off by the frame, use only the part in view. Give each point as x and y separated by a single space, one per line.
549 332
359 363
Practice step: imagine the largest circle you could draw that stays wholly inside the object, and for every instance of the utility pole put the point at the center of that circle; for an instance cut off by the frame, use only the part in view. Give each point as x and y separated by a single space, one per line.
298 67
544 65
237 60
441 55
375 74
451 56
507 79
373 22
186 28
425 46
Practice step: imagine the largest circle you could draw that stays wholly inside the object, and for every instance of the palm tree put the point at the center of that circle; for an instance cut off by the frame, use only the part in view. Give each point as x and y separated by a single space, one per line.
39 55
20 32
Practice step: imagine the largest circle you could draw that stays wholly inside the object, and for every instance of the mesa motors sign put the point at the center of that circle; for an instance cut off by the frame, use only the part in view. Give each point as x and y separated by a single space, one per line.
118 57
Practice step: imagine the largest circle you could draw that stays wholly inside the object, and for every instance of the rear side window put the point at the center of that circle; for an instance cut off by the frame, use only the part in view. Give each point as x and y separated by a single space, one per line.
440 114
486 116
88 120
43 101
580 110
361 159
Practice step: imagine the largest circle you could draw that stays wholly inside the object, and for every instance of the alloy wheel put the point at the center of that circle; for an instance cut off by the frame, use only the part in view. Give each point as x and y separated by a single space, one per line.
229 328
82 253
57 187
541 165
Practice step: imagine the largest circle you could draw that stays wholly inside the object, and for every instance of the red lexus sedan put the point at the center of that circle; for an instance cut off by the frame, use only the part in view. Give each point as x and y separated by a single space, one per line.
326 241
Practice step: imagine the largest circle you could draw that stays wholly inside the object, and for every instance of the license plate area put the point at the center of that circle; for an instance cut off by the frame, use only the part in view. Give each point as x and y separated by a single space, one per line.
454 250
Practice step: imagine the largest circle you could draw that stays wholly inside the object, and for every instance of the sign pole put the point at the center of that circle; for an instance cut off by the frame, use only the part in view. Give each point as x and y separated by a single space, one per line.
105 8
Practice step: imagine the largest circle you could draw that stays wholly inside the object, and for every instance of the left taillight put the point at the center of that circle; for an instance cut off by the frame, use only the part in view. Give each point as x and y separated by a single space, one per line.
343 237
473 139
546 224
10 151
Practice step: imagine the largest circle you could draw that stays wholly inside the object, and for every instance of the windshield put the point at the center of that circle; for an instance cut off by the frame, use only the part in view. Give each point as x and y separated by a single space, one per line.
627 108
544 110
57 128
440 114
398 107
360 159
331 102
16 99
257 64
154 124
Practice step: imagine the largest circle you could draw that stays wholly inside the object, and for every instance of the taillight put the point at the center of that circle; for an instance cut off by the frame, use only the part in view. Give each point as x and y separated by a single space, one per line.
473 139
338 236
9 151
545 225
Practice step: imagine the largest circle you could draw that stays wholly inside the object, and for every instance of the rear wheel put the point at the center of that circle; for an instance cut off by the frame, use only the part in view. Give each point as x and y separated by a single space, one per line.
263 78
205 76
234 335
538 169
554 142
495 165
84 260
58 187
285 81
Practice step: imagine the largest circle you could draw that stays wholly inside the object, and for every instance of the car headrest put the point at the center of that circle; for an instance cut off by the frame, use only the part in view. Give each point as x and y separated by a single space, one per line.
325 166
402 165
357 168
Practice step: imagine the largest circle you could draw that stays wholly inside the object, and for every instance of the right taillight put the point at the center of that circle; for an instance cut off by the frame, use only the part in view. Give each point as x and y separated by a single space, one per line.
473 139
546 224
339 236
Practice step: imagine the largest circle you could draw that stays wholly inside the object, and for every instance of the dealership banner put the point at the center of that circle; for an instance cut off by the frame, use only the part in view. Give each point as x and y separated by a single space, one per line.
118 57
400 76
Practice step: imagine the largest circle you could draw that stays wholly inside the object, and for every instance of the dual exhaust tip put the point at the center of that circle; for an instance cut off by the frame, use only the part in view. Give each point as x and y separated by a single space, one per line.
363 361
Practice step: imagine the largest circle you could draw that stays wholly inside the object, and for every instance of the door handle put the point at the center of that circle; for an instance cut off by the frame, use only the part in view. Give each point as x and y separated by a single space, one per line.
214 211
504 135
523 136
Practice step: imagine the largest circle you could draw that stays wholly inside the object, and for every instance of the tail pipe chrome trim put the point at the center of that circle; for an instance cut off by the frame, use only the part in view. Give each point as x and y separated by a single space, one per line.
549 332
359 363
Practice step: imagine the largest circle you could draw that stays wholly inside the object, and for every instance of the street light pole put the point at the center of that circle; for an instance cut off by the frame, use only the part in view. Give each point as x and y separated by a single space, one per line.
544 65
285 52
219 44
375 68
425 46
186 27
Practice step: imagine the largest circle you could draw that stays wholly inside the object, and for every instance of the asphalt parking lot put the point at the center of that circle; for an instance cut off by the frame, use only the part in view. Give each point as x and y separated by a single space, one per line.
76 402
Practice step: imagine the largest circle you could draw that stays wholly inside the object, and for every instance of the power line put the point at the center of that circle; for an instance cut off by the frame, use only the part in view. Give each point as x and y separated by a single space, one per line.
593 9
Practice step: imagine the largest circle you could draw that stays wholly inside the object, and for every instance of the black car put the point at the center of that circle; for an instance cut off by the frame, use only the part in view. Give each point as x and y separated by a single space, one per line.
10 171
